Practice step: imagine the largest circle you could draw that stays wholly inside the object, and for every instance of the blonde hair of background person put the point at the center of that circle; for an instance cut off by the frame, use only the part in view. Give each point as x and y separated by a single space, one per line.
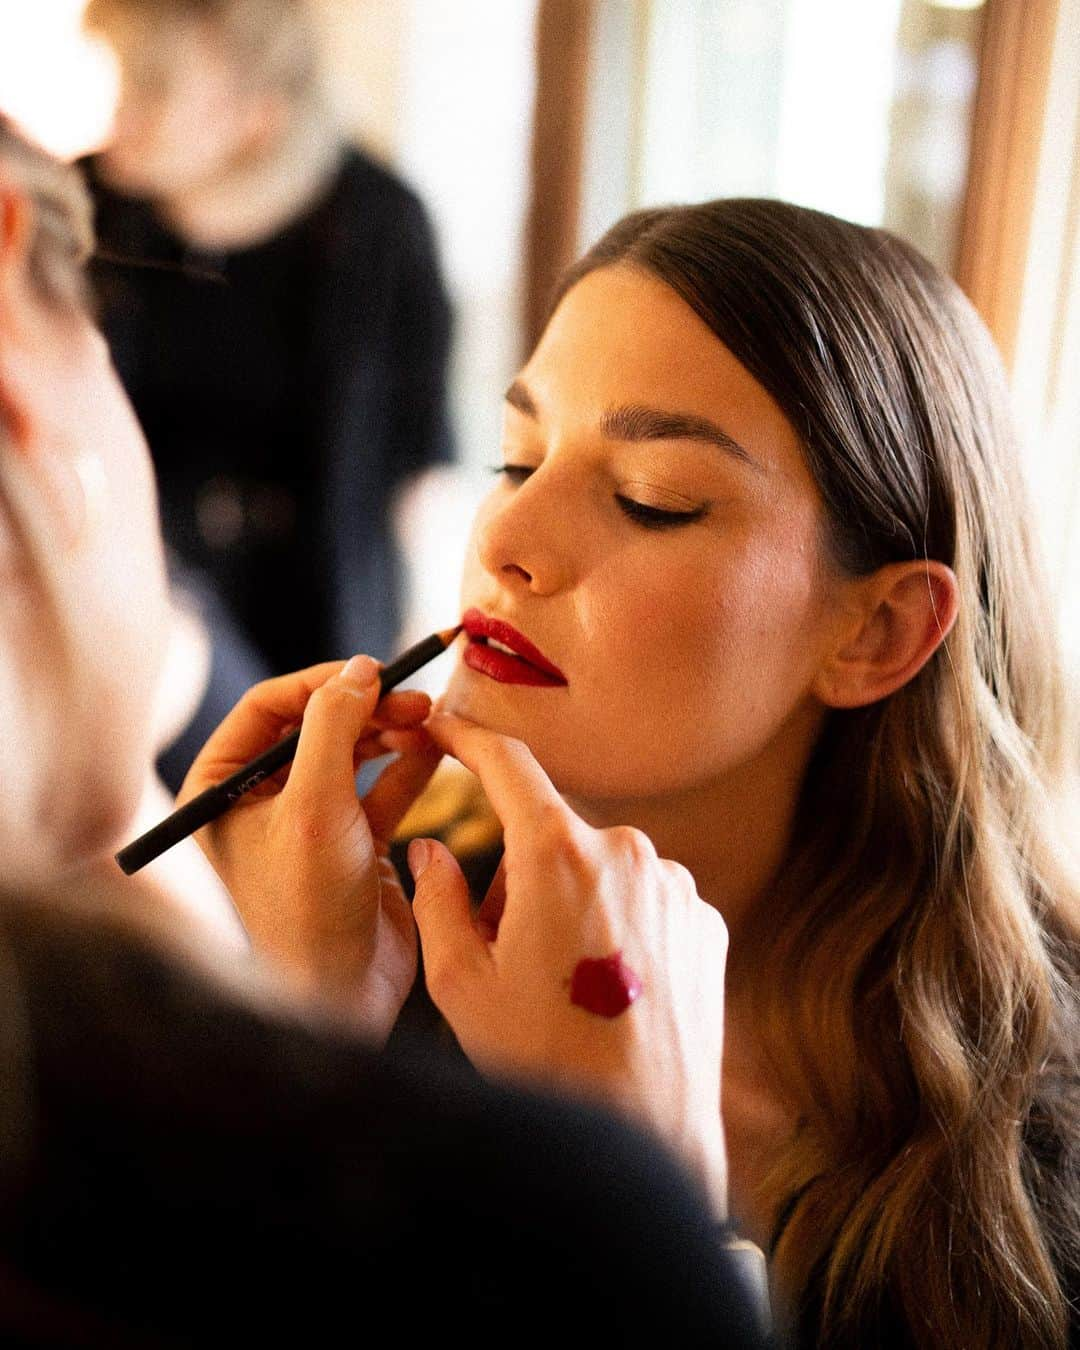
222 120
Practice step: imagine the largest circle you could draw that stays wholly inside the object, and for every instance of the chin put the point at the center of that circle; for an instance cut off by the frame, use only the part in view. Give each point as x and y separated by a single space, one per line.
573 771
136 175
98 830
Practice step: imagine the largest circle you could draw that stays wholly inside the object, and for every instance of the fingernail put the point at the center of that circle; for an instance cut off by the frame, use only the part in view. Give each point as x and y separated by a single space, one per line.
360 670
419 855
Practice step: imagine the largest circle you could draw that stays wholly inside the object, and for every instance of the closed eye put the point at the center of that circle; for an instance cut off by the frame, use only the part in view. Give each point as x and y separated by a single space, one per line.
650 517
517 473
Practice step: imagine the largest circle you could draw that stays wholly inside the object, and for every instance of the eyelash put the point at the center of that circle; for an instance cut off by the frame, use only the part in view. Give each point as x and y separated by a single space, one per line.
650 517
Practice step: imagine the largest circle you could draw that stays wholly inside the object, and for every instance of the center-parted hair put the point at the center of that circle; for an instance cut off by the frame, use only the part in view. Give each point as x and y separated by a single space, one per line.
921 1007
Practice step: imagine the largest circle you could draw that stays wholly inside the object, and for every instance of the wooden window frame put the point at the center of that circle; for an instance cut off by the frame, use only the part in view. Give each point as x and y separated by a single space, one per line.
1015 57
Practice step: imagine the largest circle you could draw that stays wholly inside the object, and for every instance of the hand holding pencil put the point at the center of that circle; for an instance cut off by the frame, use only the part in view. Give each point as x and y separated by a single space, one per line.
306 862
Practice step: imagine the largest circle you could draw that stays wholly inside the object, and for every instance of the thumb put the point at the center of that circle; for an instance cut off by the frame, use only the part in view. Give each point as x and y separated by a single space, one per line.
454 952
334 720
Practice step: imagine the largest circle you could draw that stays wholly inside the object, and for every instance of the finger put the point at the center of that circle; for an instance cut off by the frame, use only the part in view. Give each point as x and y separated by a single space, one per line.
514 783
454 953
264 714
409 741
336 716
396 788
494 902
380 745
403 708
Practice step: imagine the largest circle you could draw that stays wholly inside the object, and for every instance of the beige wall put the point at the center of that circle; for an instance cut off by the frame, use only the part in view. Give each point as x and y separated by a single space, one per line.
364 45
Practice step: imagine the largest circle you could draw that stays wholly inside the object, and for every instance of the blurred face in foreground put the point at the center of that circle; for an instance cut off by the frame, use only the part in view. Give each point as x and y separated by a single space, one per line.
655 536
84 617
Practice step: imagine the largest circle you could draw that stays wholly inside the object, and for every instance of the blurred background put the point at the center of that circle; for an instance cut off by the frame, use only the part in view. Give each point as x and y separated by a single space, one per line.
525 127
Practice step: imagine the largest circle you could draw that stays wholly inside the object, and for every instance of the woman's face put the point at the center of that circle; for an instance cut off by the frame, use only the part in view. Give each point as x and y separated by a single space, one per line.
655 535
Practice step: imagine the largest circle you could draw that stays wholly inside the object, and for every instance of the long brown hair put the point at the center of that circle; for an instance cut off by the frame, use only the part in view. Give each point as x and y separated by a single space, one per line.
922 1007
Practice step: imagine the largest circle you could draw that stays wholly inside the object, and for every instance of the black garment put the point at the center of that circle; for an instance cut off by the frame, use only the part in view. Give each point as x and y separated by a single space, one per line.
286 391
421 1024
196 1173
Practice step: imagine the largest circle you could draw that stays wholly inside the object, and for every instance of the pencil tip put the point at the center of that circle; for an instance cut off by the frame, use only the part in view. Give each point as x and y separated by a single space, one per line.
449 634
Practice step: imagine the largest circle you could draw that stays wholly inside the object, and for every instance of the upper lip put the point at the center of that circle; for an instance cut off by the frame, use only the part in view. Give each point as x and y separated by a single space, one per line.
477 625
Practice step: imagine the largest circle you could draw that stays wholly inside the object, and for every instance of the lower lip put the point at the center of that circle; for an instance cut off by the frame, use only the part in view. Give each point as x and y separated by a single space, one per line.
506 669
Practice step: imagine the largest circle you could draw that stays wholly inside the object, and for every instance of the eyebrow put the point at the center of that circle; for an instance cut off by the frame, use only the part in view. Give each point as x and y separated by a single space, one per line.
635 422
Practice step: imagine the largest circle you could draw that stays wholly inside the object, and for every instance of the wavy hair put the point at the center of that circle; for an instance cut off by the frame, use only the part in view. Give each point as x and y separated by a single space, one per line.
921 1009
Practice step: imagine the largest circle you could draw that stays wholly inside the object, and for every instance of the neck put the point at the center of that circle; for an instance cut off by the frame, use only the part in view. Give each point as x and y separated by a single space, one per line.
254 200
731 833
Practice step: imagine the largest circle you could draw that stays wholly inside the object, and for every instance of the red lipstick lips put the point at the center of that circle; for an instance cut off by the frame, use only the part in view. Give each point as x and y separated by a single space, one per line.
521 664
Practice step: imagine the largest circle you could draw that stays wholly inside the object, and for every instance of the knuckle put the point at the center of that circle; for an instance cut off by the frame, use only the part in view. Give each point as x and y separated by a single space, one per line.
549 822
562 838
443 981
336 699
263 691
307 825
300 821
266 697
682 879
715 928
509 749
634 844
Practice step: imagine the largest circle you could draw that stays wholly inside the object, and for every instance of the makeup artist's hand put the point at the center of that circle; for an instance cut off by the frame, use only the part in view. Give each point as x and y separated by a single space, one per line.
308 864
503 978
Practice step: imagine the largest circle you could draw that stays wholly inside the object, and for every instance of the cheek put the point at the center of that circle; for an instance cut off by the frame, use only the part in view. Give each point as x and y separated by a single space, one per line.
133 553
472 572
661 620
704 663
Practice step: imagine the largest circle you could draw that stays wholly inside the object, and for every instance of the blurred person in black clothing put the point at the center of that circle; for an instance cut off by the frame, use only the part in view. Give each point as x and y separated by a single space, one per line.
273 300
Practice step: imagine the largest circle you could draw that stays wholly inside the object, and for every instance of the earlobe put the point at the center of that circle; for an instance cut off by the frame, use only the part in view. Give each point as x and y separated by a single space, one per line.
14 424
904 613
15 228
14 225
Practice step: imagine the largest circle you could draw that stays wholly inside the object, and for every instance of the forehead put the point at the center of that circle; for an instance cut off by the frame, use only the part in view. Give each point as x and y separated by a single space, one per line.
621 336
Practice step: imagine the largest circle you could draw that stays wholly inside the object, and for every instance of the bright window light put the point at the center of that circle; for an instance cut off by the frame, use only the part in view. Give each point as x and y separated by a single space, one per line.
56 83
836 101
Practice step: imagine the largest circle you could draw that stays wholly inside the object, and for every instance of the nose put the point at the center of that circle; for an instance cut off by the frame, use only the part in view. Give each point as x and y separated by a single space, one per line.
526 538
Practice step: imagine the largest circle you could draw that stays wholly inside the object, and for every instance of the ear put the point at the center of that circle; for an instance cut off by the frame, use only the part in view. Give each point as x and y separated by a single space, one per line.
15 230
897 619
35 362
15 225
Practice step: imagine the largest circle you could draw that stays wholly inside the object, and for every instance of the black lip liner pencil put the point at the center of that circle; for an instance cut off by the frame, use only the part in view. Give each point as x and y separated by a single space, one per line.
208 805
